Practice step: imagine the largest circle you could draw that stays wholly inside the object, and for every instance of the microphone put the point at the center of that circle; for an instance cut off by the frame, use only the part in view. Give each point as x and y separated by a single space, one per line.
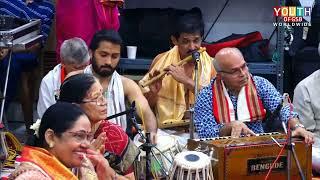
133 107
130 111
196 56
285 101
132 117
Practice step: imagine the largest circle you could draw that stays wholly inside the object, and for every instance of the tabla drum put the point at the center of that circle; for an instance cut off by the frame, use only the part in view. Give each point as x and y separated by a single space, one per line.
191 165
169 147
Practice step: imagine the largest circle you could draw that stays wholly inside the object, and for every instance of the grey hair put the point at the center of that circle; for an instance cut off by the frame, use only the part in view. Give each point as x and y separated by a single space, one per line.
216 65
74 51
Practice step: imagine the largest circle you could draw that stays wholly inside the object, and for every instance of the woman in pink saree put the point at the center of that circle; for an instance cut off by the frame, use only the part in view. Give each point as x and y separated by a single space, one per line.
82 18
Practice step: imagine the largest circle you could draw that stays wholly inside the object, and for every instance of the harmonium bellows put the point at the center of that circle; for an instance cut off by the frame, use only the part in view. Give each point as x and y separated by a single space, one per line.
19 34
252 157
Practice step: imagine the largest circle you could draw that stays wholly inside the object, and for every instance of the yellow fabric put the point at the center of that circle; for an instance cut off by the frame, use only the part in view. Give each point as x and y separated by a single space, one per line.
47 162
171 104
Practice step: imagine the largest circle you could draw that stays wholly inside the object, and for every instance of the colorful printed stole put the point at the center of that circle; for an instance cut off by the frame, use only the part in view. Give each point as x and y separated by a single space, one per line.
249 105
47 162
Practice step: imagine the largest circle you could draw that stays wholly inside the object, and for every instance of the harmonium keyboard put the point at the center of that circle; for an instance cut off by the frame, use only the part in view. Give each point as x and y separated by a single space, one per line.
251 157
19 34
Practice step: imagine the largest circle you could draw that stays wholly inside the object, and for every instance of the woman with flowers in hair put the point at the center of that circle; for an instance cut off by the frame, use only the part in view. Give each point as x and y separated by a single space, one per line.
62 142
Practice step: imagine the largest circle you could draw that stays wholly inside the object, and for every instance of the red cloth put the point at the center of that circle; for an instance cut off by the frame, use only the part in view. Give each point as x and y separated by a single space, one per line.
117 140
235 40
62 74
83 18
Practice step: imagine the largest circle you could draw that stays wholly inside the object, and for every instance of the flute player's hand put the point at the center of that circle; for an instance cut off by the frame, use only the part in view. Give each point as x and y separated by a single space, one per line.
157 85
179 74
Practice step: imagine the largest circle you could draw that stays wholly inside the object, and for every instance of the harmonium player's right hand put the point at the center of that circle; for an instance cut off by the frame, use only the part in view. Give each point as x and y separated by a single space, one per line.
239 128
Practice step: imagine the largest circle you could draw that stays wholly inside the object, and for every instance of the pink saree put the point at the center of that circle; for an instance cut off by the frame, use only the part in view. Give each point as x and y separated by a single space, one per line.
82 18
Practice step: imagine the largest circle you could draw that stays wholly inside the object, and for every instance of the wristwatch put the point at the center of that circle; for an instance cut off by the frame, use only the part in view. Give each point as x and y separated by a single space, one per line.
297 126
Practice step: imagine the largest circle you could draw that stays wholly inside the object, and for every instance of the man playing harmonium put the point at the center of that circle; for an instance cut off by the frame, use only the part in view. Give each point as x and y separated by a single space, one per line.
171 95
235 102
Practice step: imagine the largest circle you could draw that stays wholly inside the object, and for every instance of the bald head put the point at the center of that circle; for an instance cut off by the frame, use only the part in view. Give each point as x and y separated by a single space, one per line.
226 58
232 68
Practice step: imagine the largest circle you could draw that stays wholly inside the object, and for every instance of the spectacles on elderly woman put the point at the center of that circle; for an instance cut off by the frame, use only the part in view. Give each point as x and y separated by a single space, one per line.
101 100
82 136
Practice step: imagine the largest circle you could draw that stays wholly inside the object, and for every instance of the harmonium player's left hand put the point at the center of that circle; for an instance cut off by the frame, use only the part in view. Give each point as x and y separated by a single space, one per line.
302 132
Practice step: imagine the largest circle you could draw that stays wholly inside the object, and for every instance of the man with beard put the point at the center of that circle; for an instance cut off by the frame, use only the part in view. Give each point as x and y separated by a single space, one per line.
235 102
74 56
105 49
171 96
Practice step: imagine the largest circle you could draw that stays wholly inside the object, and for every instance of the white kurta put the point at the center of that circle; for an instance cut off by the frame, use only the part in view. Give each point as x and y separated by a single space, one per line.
307 102
49 87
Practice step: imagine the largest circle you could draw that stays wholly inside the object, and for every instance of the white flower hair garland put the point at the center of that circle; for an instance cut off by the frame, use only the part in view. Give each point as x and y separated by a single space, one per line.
35 126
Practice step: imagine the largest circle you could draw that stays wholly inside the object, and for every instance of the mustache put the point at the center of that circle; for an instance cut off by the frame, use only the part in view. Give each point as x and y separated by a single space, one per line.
106 66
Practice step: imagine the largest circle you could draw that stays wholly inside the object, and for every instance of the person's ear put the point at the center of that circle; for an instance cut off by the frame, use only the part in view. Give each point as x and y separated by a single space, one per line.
174 40
218 75
49 138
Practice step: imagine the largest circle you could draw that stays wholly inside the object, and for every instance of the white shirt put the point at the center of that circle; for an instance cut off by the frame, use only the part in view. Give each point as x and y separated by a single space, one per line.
49 87
307 102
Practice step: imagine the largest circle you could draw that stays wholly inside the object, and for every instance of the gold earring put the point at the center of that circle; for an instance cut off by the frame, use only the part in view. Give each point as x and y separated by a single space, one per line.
51 144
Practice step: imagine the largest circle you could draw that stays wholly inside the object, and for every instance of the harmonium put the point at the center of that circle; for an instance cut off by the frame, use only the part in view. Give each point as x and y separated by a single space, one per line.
252 157
19 34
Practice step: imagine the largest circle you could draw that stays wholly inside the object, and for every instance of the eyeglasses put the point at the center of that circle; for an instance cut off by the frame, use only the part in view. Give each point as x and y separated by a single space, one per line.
81 136
237 72
101 100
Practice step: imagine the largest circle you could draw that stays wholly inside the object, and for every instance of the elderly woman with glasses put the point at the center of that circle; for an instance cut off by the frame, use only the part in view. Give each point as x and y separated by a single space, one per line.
62 142
85 90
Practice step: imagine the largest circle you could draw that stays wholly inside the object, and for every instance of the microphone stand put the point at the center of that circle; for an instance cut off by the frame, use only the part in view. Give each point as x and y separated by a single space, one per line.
3 121
147 146
196 57
119 114
3 98
291 149
290 145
